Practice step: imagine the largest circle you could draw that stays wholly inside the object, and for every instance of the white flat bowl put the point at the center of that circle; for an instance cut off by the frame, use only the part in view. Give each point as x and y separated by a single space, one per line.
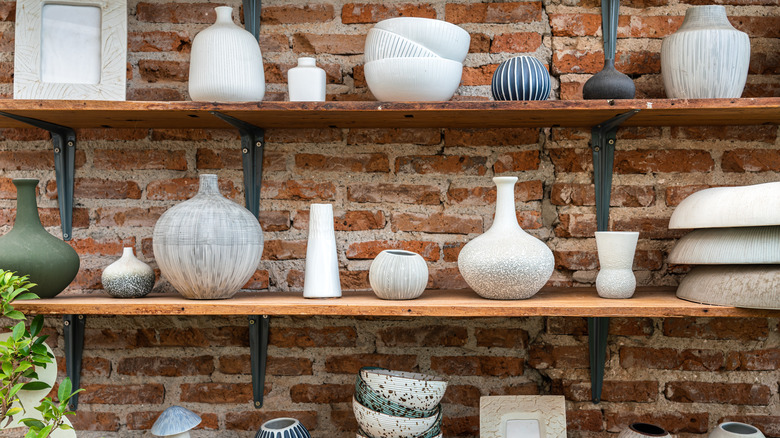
413 79
412 390
445 39
386 426
749 286
728 246
722 207
381 44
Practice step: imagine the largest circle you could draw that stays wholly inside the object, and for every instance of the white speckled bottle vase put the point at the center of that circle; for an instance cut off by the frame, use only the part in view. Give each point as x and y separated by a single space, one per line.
616 257
128 277
321 278
506 263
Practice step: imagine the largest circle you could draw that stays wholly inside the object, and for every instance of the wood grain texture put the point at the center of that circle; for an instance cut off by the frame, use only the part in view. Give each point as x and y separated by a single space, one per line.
647 302
461 114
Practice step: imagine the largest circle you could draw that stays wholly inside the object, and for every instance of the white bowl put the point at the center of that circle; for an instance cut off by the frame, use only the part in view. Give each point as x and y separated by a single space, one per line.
412 390
378 424
722 207
749 286
728 246
445 39
381 44
413 79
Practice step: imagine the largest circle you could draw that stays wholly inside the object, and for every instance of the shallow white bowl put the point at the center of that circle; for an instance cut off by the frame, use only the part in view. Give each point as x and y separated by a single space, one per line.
445 39
381 44
728 246
413 390
720 207
386 426
749 286
413 79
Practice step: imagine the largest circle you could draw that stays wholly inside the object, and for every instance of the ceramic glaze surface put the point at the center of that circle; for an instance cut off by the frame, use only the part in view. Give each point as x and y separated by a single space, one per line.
379 425
283 428
706 57
225 63
521 78
321 277
207 247
442 38
413 79
733 429
306 82
128 277
175 421
506 263
381 44
724 246
398 275
720 207
412 390
616 259
750 286
643 430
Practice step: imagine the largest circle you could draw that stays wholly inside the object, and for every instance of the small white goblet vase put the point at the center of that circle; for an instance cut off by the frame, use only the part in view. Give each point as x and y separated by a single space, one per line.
616 257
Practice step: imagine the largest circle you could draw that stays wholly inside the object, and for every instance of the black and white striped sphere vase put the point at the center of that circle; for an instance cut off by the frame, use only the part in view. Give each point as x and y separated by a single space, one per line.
521 78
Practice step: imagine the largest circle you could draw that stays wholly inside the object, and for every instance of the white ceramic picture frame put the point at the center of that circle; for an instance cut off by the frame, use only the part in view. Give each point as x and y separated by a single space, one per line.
520 415
84 42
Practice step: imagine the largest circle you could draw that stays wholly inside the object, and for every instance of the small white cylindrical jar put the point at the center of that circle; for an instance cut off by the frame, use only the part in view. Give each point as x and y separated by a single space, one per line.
396 274
616 257
306 82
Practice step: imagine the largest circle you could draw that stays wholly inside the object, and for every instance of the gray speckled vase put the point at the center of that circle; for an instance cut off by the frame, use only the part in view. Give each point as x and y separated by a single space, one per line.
128 277
506 263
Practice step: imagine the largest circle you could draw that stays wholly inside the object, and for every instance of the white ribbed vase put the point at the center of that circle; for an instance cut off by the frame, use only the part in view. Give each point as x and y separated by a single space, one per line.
506 263
208 246
706 57
616 259
128 277
396 274
225 63
321 278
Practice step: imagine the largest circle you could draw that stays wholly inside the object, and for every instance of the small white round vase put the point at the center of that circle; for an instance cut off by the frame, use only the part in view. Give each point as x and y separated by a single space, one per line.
733 429
506 263
398 275
128 277
616 259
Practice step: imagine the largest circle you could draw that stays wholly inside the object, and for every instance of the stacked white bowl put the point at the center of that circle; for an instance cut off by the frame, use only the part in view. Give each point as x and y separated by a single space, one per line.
410 59
735 245
397 404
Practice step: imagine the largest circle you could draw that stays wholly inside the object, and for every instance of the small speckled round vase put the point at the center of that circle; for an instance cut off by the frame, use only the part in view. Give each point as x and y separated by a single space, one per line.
282 428
616 257
521 78
506 263
732 429
398 275
643 430
128 277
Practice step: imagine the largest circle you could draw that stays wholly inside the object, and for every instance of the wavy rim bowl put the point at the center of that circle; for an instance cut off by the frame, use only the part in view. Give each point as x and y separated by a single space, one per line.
441 37
413 79
387 426
383 44
412 390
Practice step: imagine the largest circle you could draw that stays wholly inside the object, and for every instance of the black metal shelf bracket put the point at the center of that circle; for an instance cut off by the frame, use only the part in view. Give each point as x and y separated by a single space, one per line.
603 138
64 140
73 331
252 147
258 351
252 10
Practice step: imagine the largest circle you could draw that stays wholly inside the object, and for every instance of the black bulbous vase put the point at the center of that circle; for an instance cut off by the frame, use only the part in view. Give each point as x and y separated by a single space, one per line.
609 84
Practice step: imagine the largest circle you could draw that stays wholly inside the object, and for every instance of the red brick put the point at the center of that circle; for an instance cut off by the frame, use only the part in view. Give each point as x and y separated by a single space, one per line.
90 366
568 356
614 391
260 280
394 193
715 392
676 194
323 393
673 422
576 225
128 217
585 194
757 133
518 161
124 394
284 249
426 336
207 158
288 14
180 189
463 395
757 26
33 160
218 393
653 227
158 41
28 134
573 25
110 159
671 359
273 43
517 389
589 420
518 42
106 339
578 61
509 12
7 11
717 328
576 260
6 72
529 220
250 420
751 160
524 191
501 337
333 44
446 278
102 421
287 337
354 163
480 43
436 223
460 426
166 366
159 93
448 164
276 366
490 137
759 360
570 160
104 246
419 136
481 75
370 249
175 13
297 190
153 70
631 326
354 280
478 365
274 220
277 74
97 188
351 363
451 251
88 278
145 419
361 13
654 160
348 221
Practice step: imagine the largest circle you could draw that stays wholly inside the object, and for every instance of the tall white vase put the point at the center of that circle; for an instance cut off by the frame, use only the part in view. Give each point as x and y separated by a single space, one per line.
706 57
321 278
616 256
506 263
225 63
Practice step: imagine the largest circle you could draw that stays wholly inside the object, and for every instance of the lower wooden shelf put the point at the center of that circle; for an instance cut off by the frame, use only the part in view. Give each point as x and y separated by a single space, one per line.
571 301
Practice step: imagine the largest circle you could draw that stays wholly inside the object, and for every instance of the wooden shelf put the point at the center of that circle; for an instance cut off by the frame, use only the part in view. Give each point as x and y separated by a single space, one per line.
647 302
460 114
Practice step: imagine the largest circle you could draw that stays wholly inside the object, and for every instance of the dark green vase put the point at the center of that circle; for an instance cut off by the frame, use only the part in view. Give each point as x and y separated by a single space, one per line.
28 249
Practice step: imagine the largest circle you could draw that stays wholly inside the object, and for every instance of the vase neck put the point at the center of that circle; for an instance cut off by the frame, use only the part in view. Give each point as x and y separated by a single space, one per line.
307 62
706 16
505 202
208 185
26 204
224 15
128 252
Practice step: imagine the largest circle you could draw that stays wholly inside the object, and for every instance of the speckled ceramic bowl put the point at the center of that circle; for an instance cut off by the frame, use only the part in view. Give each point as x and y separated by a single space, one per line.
412 390
379 425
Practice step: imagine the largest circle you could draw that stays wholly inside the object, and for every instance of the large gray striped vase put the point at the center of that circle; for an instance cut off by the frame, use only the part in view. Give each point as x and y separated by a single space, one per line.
521 78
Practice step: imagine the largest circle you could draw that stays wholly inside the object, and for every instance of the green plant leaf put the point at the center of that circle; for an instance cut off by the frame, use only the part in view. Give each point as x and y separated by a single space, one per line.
46 431
14 390
13 411
36 325
8 369
19 331
35 386
14 314
65 387
64 426
33 423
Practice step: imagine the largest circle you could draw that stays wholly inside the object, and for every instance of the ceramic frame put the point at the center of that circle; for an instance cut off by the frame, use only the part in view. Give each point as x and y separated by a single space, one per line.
28 83
548 410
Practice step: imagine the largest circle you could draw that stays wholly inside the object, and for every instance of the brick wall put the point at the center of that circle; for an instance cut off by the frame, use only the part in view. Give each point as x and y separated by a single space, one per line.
427 190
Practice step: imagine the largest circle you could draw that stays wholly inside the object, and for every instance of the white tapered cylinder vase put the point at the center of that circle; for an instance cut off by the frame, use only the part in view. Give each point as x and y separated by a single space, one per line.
321 278
616 256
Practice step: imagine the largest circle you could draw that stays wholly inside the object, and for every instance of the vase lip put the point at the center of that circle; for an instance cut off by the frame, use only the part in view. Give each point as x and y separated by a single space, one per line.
291 422
632 233
400 252
648 429
498 179
26 181
703 8
748 429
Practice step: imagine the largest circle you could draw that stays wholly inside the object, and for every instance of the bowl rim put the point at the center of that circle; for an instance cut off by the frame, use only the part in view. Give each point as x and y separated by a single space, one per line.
428 378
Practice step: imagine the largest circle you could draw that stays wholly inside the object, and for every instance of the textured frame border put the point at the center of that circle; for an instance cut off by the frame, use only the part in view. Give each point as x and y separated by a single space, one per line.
549 410
27 53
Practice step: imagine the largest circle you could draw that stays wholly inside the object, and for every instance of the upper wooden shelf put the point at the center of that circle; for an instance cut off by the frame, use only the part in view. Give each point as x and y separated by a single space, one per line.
647 302
460 114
